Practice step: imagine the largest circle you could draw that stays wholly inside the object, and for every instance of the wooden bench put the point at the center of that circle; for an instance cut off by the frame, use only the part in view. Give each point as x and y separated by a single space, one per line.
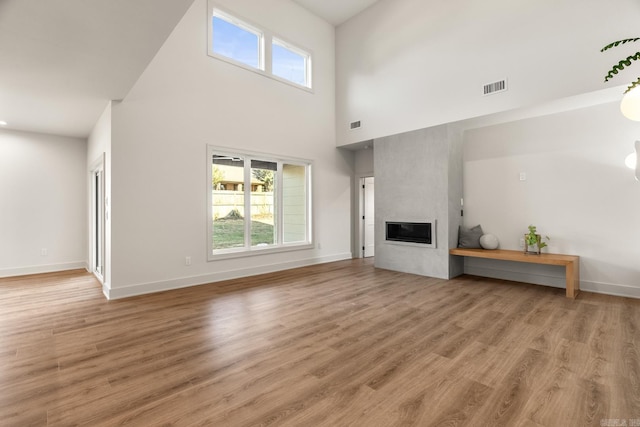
571 262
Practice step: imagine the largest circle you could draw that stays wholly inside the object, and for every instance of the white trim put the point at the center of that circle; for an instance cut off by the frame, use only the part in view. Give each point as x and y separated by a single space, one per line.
98 165
359 221
298 51
280 245
610 289
358 181
106 290
554 281
236 22
183 282
41 269
267 38
278 198
253 251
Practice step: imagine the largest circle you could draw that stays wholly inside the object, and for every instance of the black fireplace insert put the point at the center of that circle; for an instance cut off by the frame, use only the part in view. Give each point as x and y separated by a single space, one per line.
411 232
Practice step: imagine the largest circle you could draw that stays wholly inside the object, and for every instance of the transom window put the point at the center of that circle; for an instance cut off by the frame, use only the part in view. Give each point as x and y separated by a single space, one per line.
236 41
290 63
257 203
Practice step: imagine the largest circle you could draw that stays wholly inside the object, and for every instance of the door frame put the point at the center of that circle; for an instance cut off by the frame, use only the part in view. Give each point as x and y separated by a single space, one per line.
360 213
97 209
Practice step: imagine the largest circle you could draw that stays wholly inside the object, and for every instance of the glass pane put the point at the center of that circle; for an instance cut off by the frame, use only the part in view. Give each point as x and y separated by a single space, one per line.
263 229
228 202
294 199
236 43
289 65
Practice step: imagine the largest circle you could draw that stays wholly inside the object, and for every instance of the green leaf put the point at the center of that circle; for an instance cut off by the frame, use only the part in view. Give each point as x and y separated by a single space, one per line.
633 86
618 43
621 65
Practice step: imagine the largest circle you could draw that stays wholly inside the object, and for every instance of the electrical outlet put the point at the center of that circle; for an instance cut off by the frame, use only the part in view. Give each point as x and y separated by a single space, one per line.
44 252
522 242
319 245
187 261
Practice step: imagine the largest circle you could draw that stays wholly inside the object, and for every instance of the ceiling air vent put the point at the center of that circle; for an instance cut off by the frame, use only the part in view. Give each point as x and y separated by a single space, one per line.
355 125
495 87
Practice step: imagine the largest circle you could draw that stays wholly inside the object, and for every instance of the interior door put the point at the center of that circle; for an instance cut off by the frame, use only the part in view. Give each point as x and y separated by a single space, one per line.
369 217
98 238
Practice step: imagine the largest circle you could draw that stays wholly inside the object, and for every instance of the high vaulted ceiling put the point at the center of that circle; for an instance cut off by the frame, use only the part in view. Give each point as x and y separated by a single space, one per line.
61 61
336 11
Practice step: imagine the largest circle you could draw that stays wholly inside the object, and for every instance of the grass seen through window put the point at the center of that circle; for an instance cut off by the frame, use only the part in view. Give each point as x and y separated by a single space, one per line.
229 232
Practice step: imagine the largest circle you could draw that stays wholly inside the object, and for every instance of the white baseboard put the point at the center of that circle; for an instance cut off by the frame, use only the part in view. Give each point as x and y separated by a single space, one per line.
183 282
40 269
554 281
610 289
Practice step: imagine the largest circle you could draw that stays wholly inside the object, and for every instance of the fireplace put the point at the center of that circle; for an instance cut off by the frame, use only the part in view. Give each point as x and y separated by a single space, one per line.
416 233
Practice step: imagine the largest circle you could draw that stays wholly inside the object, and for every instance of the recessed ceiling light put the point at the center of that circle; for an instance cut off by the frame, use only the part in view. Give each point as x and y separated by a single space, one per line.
3 123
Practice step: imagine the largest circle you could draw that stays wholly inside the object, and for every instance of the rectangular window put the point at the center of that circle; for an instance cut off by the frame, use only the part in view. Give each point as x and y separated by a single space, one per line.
263 203
236 40
226 178
257 203
290 63
294 199
257 49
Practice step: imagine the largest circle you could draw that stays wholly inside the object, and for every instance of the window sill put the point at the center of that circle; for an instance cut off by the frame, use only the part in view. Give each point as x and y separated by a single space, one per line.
243 253
260 71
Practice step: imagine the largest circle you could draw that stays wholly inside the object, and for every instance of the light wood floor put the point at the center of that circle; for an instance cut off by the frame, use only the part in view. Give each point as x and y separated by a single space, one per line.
340 344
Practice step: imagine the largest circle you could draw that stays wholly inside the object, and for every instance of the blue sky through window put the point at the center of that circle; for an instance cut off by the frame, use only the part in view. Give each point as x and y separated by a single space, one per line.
289 65
236 43
244 43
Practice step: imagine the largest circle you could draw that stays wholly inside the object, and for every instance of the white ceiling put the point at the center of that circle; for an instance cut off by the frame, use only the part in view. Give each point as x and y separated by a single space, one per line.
336 11
61 61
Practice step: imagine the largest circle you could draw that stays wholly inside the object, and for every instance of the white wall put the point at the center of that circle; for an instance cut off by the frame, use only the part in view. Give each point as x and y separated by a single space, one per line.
99 147
410 64
577 191
42 188
99 140
186 100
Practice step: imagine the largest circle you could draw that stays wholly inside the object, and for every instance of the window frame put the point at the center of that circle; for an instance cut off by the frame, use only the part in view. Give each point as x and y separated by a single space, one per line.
266 51
295 49
216 12
279 245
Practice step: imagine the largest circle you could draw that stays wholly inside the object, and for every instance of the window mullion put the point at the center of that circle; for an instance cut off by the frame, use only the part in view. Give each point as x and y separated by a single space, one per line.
267 51
280 203
209 201
308 203
247 203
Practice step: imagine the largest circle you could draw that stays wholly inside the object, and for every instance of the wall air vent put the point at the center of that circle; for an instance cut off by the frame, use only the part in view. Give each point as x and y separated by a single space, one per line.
355 125
495 87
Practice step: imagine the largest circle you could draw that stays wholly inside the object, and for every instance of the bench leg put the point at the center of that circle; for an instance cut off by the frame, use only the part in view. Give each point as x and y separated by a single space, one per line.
573 279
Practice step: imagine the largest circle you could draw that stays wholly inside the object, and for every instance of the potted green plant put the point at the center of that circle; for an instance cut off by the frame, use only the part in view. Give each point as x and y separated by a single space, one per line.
533 241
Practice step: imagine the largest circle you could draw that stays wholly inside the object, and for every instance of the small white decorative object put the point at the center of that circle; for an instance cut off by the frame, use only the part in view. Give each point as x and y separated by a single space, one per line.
489 241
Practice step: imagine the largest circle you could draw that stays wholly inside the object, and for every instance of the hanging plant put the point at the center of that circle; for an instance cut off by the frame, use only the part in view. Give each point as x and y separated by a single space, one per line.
623 63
